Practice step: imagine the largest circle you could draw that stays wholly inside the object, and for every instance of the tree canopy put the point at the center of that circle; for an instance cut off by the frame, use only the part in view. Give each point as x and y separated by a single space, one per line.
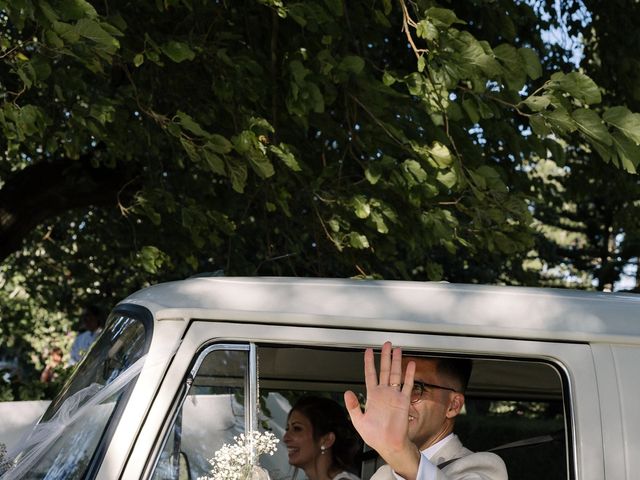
456 141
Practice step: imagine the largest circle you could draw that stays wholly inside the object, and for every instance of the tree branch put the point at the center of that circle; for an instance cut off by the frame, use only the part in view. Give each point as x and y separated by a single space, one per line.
46 189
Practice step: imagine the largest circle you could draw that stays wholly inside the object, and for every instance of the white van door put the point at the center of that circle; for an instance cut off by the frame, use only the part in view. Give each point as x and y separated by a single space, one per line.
226 368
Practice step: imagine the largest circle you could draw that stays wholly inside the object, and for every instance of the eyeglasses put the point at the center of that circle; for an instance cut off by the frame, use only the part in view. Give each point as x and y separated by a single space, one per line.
419 388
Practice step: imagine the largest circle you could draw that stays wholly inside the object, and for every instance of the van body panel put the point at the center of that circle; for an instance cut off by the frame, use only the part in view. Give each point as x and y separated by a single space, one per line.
165 341
627 363
607 380
479 310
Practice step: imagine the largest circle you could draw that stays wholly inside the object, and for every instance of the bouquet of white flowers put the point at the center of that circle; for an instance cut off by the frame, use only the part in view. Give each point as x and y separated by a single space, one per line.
238 461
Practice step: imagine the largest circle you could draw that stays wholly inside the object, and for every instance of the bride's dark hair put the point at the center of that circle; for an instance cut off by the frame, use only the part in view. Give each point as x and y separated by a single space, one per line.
325 416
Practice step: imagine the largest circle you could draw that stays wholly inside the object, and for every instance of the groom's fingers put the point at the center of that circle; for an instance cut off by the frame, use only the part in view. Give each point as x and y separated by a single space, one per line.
409 374
395 377
370 377
385 363
353 406
351 401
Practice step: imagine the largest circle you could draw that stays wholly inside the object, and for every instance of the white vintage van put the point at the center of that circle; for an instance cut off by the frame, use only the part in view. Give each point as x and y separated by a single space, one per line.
182 367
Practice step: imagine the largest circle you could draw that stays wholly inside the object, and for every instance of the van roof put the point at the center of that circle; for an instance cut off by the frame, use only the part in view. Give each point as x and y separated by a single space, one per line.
427 307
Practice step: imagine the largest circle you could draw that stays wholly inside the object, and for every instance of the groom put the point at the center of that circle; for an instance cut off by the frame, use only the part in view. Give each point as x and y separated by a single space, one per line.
409 418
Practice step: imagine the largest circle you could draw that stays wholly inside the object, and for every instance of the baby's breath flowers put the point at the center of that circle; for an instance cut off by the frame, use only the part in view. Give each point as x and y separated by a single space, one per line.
237 461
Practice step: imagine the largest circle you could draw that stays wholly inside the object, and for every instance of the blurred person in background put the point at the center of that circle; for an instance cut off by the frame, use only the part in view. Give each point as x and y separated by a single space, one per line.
53 365
93 321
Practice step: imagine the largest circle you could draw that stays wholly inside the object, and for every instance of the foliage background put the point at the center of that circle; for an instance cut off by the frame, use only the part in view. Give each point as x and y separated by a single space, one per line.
469 141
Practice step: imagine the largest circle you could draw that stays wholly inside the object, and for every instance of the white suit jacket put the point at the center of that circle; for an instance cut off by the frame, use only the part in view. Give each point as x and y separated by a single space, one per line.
468 466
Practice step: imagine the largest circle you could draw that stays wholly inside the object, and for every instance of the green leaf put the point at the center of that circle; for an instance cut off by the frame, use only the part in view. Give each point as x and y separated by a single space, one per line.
484 110
442 17
488 172
415 169
178 51
469 105
261 165
31 118
316 99
53 39
556 151
448 179
66 31
351 63
388 79
379 222
237 173
478 179
515 74
26 73
188 123
248 145
560 120
531 62
373 173
244 142
421 63
606 152
539 126
427 30
625 121
218 143
93 31
489 66
335 224
592 125
213 161
627 151
259 124
191 149
361 206
504 244
441 154
48 12
76 10
104 113
537 103
138 59
284 153
469 47
358 241
152 259
577 85
416 84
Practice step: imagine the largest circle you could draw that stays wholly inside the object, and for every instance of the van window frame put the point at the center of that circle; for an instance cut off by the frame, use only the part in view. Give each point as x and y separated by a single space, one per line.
206 332
250 398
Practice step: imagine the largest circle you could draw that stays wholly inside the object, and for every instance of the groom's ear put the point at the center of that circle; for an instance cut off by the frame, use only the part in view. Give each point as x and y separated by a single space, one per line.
456 402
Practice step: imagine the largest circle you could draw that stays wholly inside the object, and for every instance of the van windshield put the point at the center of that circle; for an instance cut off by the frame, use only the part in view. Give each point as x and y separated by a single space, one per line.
71 439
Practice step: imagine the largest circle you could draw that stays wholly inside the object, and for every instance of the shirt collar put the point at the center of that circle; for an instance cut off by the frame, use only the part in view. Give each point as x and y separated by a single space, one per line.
430 451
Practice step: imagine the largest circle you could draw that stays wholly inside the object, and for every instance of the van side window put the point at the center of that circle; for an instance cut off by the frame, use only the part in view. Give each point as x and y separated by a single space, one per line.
516 405
209 414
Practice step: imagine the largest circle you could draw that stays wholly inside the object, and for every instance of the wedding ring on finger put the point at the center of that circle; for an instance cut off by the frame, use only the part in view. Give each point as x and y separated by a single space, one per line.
394 385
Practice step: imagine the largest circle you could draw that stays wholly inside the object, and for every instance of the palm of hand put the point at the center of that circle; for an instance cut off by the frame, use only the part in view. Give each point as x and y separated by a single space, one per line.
384 425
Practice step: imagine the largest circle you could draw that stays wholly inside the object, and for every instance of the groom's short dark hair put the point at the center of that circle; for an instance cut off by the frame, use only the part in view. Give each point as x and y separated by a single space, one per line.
457 368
